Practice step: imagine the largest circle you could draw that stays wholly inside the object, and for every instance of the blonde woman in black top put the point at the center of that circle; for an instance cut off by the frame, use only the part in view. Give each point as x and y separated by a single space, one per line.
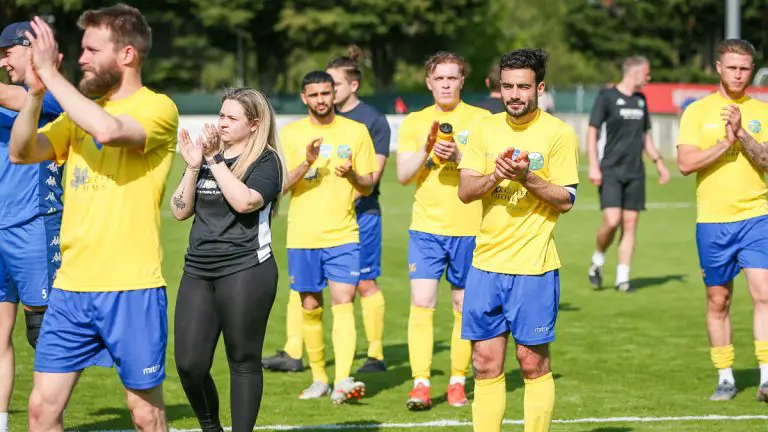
232 185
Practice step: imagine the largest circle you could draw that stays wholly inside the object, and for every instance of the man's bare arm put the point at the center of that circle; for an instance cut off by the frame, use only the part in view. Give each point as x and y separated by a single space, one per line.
552 194
474 186
691 159
27 146
12 96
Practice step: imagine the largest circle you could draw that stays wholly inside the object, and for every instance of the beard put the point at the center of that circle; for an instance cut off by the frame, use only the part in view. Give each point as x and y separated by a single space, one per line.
318 114
529 107
101 81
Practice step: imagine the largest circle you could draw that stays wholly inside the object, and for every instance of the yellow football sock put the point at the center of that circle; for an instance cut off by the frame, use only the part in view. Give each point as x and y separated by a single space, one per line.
294 317
761 352
421 340
490 404
373 321
313 338
344 338
722 356
538 403
461 350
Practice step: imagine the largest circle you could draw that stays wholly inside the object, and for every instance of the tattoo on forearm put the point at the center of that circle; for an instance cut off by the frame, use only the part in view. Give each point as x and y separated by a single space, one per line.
757 152
178 200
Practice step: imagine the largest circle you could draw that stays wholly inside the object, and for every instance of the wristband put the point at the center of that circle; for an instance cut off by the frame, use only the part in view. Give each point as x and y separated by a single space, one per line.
217 158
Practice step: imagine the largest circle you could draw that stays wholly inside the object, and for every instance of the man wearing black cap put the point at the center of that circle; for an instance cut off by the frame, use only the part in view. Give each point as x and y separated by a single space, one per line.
30 215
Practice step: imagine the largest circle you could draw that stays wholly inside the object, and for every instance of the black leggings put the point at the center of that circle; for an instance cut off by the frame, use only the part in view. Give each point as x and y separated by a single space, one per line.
237 305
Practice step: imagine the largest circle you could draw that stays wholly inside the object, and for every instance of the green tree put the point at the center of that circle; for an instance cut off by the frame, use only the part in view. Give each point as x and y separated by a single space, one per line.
389 30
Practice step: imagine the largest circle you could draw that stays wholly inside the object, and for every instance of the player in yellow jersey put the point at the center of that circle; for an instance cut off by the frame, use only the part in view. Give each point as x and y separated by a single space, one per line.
522 166
329 158
722 139
442 232
108 305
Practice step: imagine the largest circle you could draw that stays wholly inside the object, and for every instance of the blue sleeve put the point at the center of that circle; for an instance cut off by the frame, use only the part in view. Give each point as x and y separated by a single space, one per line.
51 108
380 133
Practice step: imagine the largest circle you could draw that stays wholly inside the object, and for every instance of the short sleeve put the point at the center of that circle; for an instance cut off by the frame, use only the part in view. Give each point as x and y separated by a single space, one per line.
646 114
474 158
160 119
689 132
408 136
59 133
51 108
598 114
563 164
264 176
294 153
364 161
381 135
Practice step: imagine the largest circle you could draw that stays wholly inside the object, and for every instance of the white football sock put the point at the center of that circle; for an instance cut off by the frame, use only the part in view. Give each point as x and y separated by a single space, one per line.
622 273
725 375
418 381
598 258
763 374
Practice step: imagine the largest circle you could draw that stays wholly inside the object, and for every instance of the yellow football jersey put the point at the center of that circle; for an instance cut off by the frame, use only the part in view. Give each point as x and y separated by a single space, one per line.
322 208
436 207
110 229
732 188
517 230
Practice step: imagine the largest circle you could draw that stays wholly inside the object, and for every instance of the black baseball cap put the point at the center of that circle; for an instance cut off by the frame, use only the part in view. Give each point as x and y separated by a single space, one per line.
13 34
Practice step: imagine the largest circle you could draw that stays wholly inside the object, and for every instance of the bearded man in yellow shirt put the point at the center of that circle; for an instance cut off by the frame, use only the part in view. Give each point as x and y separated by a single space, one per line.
522 165
329 159
108 306
723 141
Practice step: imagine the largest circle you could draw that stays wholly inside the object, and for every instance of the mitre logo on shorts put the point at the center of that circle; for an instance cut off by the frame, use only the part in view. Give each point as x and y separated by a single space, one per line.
151 370
291 279
411 267
754 126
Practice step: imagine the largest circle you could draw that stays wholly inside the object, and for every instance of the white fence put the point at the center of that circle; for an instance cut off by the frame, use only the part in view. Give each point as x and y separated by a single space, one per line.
664 128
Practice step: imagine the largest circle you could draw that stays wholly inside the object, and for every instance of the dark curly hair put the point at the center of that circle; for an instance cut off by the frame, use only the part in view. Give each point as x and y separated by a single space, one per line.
526 58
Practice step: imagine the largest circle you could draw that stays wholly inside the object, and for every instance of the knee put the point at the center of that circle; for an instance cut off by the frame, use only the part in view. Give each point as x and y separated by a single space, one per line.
612 222
486 365
718 302
147 417
191 366
423 298
628 225
40 412
458 303
367 288
34 322
311 301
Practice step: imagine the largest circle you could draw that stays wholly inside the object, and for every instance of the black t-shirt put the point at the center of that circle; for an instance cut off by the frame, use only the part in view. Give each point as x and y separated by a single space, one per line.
626 122
223 241
378 128
494 105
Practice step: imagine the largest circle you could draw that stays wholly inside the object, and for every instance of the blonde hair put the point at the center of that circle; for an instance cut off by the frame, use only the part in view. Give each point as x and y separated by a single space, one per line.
735 46
257 108
446 57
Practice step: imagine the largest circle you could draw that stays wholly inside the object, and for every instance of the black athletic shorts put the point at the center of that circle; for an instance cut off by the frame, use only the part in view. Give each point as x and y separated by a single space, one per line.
627 194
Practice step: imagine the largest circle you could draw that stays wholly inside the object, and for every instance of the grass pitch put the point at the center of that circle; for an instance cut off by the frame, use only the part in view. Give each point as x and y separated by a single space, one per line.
616 355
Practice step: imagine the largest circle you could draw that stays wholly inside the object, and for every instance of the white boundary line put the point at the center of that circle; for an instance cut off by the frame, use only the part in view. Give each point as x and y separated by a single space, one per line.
459 423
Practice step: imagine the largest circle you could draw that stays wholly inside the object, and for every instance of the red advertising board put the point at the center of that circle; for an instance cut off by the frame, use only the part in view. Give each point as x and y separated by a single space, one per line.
671 98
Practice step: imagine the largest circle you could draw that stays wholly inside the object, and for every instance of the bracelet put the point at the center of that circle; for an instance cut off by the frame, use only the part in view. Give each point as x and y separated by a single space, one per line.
193 169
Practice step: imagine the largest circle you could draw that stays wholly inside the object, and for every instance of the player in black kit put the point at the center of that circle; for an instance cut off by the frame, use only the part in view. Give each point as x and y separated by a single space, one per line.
620 174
